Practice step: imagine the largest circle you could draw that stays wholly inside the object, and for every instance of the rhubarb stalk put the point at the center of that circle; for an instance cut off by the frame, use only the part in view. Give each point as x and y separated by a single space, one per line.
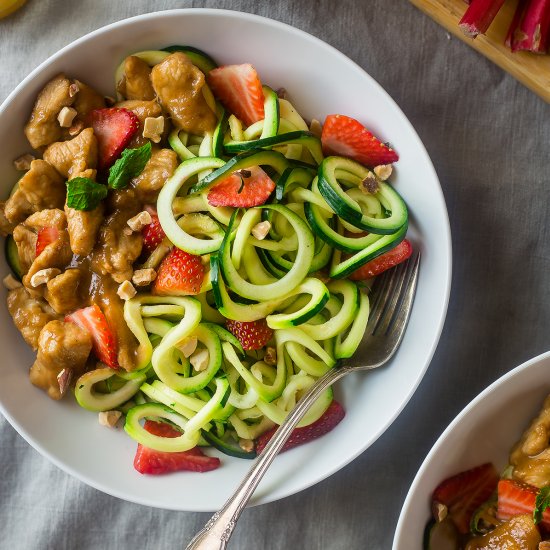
530 29
479 16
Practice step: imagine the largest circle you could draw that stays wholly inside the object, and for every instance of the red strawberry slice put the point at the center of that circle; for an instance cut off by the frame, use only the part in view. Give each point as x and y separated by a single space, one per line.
152 234
329 420
179 274
239 89
242 189
385 261
251 334
113 128
345 136
516 498
149 461
46 236
93 320
465 492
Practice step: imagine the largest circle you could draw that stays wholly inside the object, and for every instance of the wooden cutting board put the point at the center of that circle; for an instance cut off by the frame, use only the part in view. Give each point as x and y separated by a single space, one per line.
533 70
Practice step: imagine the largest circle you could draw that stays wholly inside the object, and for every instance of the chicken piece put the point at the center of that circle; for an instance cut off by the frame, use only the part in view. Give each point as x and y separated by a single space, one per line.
53 217
136 80
29 314
178 84
25 239
143 110
61 346
519 533
63 292
75 156
158 169
83 227
6 227
86 100
43 127
17 207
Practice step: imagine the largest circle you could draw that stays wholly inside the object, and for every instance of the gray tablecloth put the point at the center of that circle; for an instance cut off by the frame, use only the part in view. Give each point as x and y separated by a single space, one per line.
489 140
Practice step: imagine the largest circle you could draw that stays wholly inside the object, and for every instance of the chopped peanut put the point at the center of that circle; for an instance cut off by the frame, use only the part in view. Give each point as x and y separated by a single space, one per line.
139 221
188 346
260 230
439 511
270 357
76 128
64 379
66 117
282 93
383 171
10 282
153 128
247 445
109 418
315 128
200 359
43 276
74 88
369 186
544 545
144 277
126 290
23 162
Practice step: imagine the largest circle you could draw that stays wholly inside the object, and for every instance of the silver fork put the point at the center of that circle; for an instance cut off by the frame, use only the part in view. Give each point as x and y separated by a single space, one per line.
391 302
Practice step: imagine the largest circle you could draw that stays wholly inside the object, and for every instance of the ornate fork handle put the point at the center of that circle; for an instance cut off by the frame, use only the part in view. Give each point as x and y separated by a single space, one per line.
217 532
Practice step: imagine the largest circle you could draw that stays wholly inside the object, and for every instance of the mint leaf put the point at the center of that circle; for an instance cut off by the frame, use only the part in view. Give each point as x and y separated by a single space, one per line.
129 165
541 504
84 193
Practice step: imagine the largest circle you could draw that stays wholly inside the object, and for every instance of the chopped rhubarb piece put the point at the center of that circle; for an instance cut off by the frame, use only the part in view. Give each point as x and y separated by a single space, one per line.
516 21
530 28
479 16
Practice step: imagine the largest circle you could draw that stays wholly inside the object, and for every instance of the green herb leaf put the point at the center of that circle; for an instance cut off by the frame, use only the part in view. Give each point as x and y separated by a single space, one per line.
129 165
84 193
541 504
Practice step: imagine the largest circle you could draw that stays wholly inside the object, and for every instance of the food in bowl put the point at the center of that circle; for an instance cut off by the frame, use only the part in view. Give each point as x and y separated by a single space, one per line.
480 509
186 255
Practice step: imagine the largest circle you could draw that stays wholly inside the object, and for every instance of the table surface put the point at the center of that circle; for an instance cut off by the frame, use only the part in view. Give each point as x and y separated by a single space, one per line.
488 138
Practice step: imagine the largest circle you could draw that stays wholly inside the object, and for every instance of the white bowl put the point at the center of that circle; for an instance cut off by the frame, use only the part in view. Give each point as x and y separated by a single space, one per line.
320 81
484 431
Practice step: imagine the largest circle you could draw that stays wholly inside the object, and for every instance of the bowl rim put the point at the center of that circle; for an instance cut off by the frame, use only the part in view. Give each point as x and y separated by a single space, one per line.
445 236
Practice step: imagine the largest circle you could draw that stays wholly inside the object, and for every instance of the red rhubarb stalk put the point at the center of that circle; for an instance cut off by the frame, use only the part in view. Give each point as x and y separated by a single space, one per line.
516 21
479 16
530 29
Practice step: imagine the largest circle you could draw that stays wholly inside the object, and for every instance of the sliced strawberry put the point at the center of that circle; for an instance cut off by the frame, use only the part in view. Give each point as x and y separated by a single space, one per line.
516 498
93 320
152 234
46 236
345 136
239 89
113 128
179 274
385 261
251 334
465 492
329 420
148 461
242 189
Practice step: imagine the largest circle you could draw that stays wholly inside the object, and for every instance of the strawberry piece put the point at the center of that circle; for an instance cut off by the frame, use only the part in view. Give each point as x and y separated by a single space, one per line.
242 189
328 421
251 334
465 492
345 136
179 274
46 236
94 321
113 128
516 498
149 461
152 234
239 89
383 262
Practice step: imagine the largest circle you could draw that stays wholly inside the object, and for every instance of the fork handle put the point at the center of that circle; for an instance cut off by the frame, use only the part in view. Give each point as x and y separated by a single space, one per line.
218 530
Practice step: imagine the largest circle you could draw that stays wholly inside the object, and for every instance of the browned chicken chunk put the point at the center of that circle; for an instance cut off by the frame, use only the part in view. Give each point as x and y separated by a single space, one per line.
61 346
143 110
6 227
43 127
519 533
136 80
64 291
178 84
86 100
73 157
83 227
25 239
160 167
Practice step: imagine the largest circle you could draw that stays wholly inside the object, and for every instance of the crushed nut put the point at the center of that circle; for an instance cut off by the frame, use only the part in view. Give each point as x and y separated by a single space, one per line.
121 277
74 88
64 379
369 185
544 545
383 171
23 162
127 231
43 276
66 117
76 128
153 128
188 346
144 277
260 230
10 282
109 418
200 359
139 221
247 445
109 101
439 511
316 128
282 93
126 290
270 357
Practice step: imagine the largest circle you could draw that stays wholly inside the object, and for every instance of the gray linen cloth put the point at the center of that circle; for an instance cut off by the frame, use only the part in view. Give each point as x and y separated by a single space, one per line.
489 140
